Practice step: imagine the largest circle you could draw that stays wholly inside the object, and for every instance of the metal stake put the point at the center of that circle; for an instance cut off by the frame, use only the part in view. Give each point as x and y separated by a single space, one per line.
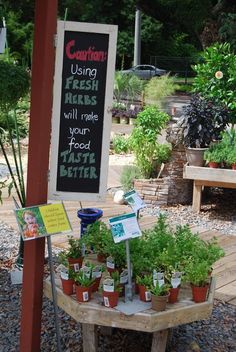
54 294
128 287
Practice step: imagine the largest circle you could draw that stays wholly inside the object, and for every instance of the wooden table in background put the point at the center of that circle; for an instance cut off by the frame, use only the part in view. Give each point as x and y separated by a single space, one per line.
209 177
93 314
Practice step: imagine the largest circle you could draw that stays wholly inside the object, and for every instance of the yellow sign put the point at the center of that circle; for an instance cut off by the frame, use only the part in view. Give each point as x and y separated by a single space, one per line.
54 218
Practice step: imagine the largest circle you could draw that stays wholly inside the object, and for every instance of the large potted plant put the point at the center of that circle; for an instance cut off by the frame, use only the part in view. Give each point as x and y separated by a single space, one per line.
202 123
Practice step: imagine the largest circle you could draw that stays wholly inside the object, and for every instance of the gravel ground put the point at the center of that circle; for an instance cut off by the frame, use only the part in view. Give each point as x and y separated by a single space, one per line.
216 334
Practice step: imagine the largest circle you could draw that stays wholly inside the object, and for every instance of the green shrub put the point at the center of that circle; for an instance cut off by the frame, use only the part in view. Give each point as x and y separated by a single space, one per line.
159 88
143 139
120 144
129 173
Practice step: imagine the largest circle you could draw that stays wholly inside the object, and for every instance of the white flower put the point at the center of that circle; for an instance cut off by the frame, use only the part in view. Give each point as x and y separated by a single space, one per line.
219 74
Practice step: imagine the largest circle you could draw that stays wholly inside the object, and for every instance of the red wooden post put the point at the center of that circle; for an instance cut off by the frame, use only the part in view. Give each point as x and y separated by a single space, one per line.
38 160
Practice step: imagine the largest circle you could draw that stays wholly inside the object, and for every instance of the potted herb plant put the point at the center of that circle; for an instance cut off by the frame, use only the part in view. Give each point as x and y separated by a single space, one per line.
111 291
144 284
159 296
83 286
202 123
98 236
214 156
197 273
66 275
231 158
74 253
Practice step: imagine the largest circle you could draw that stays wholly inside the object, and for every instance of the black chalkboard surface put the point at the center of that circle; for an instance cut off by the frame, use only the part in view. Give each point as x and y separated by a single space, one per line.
83 86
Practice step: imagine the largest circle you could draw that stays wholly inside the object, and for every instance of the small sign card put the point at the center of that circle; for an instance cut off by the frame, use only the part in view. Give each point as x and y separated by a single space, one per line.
134 200
124 227
39 221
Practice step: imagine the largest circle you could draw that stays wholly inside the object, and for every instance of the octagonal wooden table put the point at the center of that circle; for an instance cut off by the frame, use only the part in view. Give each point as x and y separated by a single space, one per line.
93 314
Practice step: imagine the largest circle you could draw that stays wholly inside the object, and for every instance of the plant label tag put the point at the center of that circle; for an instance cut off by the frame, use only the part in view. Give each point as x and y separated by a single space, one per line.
108 285
76 267
175 282
148 296
134 200
106 302
160 276
161 282
155 277
110 263
64 276
96 274
85 296
86 271
124 277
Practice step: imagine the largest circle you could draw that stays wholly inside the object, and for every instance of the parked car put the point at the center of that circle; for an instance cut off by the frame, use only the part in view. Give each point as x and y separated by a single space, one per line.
145 71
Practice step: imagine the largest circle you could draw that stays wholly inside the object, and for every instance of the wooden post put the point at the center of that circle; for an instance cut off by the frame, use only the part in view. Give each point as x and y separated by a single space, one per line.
89 337
38 160
159 341
197 197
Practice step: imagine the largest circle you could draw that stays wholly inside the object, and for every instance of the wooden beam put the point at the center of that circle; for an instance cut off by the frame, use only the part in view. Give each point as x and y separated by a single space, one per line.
90 340
159 341
197 197
38 157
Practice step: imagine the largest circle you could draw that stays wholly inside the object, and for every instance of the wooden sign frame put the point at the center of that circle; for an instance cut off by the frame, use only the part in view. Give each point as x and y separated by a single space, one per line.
54 191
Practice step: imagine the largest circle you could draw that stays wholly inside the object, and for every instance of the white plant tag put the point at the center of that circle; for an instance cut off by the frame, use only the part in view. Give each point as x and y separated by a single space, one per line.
106 302
64 276
85 296
148 296
108 285
97 272
76 267
155 277
124 277
176 279
110 263
86 271
161 282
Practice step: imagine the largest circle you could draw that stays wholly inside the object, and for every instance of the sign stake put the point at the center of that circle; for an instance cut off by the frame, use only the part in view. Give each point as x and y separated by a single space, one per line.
128 287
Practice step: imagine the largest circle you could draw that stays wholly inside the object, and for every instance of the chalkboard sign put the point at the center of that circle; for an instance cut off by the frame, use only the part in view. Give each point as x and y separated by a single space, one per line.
83 86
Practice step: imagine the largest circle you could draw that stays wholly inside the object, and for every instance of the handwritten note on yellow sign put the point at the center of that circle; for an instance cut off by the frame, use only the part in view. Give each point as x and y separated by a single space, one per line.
55 218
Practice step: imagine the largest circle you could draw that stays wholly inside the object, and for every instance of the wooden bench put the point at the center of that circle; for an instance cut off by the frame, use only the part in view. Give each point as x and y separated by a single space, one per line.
209 177
93 314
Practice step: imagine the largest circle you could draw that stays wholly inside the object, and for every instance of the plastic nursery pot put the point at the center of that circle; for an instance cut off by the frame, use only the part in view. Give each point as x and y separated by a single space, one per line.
75 262
96 284
233 166
67 286
144 294
213 165
199 293
173 297
88 216
101 258
83 294
110 299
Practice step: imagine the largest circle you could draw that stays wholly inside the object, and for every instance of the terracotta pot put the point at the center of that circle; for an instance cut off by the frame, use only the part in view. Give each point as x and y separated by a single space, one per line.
173 297
213 165
159 302
101 258
83 294
233 166
67 286
74 261
96 284
110 299
144 294
199 293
